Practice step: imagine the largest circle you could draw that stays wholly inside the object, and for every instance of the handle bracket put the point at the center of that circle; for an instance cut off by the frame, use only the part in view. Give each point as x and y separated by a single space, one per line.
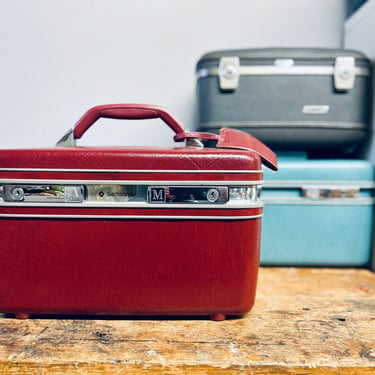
67 140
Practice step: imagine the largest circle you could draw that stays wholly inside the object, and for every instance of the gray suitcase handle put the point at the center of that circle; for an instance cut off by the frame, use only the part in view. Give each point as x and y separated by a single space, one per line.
119 111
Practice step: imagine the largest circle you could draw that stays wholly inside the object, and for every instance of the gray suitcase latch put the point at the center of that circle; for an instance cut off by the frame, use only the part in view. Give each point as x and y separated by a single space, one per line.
344 73
229 73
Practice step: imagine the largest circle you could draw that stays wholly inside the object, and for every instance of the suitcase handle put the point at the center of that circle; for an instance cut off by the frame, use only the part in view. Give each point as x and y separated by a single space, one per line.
125 112
228 138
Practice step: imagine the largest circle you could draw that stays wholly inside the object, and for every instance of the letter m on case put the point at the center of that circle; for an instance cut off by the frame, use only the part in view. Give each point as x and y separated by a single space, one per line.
157 195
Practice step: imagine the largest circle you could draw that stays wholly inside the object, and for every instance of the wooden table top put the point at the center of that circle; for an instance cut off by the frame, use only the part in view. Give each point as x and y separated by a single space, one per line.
305 321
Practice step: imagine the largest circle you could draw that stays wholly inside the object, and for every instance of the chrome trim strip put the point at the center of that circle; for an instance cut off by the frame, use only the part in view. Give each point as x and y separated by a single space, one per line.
230 205
140 217
221 171
281 70
318 202
133 182
294 124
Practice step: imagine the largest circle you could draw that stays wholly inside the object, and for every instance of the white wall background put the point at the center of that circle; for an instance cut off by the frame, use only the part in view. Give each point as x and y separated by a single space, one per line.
59 58
359 34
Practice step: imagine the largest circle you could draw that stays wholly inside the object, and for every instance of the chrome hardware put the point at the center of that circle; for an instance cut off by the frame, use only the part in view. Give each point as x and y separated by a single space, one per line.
316 192
315 109
67 140
114 193
344 73
229 71
139 194
187 194
245 193
212 195
43 193
15 194
193 142
229 75
284 62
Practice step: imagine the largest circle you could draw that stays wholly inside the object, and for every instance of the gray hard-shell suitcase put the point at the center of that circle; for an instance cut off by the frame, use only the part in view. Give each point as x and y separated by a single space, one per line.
290 98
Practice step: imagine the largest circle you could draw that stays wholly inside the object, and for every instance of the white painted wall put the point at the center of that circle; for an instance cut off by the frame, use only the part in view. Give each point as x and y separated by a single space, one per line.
59 58
359 34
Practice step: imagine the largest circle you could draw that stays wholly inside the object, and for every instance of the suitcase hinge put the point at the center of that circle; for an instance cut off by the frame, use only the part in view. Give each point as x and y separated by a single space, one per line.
344 73
229 73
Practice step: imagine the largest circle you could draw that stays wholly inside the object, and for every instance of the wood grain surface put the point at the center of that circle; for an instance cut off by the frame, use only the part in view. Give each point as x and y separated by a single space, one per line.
305 321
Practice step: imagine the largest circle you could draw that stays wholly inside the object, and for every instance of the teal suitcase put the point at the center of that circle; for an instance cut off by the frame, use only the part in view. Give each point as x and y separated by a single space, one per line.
318 212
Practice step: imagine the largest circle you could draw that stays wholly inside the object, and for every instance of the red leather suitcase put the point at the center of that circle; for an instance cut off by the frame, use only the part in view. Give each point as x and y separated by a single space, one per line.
132 230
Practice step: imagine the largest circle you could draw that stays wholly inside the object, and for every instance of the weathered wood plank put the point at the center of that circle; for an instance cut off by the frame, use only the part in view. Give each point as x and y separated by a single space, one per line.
305 321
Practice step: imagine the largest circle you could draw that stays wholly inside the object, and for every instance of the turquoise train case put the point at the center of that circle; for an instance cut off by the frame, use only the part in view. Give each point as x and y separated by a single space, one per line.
318 212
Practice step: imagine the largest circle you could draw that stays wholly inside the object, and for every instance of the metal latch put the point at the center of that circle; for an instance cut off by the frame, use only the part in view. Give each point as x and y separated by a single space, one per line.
229 73
318 192
344 73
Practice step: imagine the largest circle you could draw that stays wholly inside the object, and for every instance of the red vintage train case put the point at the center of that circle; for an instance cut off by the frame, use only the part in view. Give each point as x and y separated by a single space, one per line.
132 230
